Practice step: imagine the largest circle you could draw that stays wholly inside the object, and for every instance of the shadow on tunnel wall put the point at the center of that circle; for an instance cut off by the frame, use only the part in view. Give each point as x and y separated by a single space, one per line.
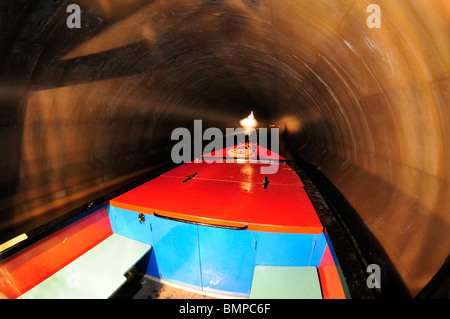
369 237
370 115
77 118
84 111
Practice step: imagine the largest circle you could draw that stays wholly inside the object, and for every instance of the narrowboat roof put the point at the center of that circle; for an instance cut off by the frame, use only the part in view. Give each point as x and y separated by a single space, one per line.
227 194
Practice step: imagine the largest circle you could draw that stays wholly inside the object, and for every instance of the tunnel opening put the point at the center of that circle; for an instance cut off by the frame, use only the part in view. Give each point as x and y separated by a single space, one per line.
87 110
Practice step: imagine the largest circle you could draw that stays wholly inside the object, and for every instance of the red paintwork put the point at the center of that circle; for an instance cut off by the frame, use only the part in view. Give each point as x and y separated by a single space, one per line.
227 196
31 266
329 277
236 172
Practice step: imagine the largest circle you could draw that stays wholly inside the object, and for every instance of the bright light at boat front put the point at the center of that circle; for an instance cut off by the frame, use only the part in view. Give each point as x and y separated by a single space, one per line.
248 123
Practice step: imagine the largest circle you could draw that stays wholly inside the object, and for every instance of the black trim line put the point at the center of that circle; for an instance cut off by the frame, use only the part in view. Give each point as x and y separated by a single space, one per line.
200 223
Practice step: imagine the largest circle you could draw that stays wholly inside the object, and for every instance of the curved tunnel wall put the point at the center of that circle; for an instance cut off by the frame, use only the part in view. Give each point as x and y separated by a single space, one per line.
85 110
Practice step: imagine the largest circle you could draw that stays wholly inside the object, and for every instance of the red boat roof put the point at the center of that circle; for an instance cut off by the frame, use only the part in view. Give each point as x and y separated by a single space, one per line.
227 194
236 172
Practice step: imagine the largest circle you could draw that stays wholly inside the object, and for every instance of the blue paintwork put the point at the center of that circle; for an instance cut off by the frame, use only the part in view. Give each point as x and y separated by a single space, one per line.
279 249
112 218
319 249
330 246
126 223
176 250
227 258
213 259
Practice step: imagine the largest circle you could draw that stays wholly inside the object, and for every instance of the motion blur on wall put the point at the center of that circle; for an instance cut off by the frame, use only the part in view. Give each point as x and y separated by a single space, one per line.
85 110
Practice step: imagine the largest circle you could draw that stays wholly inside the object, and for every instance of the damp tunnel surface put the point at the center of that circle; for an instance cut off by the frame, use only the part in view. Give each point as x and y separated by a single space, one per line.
85 110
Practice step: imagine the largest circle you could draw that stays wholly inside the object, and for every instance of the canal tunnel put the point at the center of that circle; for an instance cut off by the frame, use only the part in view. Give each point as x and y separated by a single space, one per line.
88 109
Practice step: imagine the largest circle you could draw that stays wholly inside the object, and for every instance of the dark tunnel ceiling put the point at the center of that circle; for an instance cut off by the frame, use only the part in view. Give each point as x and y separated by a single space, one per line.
84 110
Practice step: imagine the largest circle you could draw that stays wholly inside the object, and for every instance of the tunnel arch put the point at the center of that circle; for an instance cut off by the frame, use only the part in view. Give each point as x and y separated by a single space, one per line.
86 110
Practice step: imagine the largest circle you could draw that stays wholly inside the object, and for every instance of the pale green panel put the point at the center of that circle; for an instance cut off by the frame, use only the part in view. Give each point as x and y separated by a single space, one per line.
95 275
285 282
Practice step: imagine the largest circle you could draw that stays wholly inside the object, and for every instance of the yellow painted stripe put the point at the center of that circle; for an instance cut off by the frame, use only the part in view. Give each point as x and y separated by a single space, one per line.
13 241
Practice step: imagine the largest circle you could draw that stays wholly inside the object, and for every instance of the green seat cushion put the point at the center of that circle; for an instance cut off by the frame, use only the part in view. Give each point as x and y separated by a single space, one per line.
97 274
285 282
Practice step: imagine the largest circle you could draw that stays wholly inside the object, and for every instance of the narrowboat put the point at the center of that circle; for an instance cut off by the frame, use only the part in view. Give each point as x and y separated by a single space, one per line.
216 226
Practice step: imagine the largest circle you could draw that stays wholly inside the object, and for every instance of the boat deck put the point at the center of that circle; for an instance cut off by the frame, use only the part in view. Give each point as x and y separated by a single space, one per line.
227 194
